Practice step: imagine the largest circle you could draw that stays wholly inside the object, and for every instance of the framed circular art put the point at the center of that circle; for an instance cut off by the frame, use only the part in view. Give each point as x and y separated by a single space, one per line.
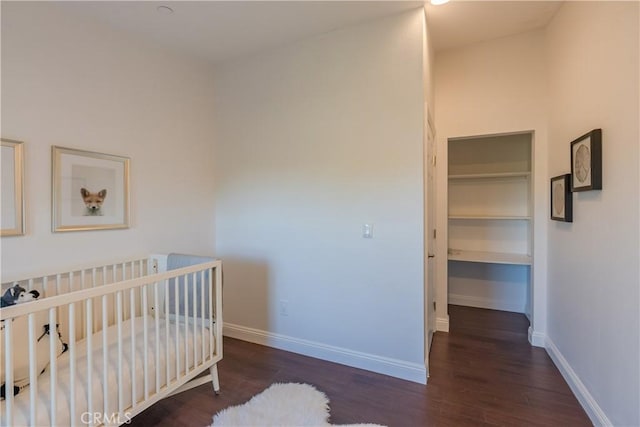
561 198
586 162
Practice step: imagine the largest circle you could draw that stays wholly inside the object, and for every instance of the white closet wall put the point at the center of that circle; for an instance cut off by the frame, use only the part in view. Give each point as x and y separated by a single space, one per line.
490 221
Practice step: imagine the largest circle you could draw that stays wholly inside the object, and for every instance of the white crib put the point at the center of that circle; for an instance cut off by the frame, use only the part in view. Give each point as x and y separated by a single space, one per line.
135 335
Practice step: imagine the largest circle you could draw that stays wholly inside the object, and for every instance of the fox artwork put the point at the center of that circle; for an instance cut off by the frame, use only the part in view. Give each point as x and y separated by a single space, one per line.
93 201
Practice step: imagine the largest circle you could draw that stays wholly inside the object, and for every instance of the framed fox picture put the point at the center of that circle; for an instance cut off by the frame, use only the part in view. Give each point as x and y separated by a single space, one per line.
90 191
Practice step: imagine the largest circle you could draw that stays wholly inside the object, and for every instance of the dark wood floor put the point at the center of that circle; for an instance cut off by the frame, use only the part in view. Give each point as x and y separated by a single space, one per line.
483 372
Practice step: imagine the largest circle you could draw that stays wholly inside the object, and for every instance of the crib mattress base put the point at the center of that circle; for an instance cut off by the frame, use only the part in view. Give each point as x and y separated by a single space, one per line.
106 398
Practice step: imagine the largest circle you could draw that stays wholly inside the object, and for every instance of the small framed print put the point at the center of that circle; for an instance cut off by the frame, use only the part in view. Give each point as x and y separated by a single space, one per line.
90 191
561 198
586 162
12 158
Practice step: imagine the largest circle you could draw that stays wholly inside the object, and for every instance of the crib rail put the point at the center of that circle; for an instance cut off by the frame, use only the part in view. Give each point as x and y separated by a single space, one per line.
167 326
89 277
70 280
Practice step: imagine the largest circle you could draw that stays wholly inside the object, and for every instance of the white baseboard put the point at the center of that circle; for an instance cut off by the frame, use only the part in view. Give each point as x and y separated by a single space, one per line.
383 365
442 324
536 339
489 303
589 404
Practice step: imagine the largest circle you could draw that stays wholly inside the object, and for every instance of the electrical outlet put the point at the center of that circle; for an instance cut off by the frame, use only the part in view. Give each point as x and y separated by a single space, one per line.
284 307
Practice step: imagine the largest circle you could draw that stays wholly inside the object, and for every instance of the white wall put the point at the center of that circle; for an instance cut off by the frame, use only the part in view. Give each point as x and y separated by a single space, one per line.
71 82
313 141
487 88
428 64
430 184
593 329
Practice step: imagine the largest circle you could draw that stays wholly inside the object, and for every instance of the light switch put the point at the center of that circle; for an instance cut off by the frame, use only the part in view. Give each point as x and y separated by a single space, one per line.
367 231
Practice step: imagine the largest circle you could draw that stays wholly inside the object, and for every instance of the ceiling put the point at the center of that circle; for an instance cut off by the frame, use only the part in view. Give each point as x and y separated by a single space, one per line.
460 23
218 31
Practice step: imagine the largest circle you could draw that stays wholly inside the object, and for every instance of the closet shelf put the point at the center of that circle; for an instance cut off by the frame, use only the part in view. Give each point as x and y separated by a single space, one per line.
491 175
491 217
489 257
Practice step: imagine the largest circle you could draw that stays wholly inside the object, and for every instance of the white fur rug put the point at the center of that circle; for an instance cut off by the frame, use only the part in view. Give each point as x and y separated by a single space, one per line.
281 405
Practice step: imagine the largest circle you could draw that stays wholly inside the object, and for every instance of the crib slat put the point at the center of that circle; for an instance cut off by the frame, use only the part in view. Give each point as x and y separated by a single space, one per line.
157 321
70 278
185 319
132 309
94 278
61 309
119 327
33 373
141 273
175 313
53 339
166 328
45 282
82 310
105 357
145 362
8 372
114 279
72 363
194 316
124 301
213 315
202 286
219 313
89 321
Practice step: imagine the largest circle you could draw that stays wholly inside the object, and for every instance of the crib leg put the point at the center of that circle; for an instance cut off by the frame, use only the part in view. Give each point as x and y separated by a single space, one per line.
214 378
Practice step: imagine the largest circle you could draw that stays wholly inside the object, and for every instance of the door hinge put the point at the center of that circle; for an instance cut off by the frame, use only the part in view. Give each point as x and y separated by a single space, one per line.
434 305
434 160
434 233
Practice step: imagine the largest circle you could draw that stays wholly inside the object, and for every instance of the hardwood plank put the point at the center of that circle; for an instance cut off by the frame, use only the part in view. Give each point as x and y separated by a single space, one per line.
483 373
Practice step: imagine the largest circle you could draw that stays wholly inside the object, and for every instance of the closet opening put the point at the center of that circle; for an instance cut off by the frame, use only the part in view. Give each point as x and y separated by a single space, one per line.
490 222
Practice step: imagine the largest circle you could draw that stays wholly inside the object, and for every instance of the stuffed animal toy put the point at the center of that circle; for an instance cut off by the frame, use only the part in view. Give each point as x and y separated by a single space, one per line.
18 295
21 354
20 348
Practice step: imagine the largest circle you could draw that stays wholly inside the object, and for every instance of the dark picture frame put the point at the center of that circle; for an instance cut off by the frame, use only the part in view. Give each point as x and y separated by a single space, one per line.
561 198
586 162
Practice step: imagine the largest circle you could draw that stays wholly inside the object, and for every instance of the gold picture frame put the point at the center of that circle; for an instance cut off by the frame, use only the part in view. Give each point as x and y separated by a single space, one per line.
90 191
13 211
